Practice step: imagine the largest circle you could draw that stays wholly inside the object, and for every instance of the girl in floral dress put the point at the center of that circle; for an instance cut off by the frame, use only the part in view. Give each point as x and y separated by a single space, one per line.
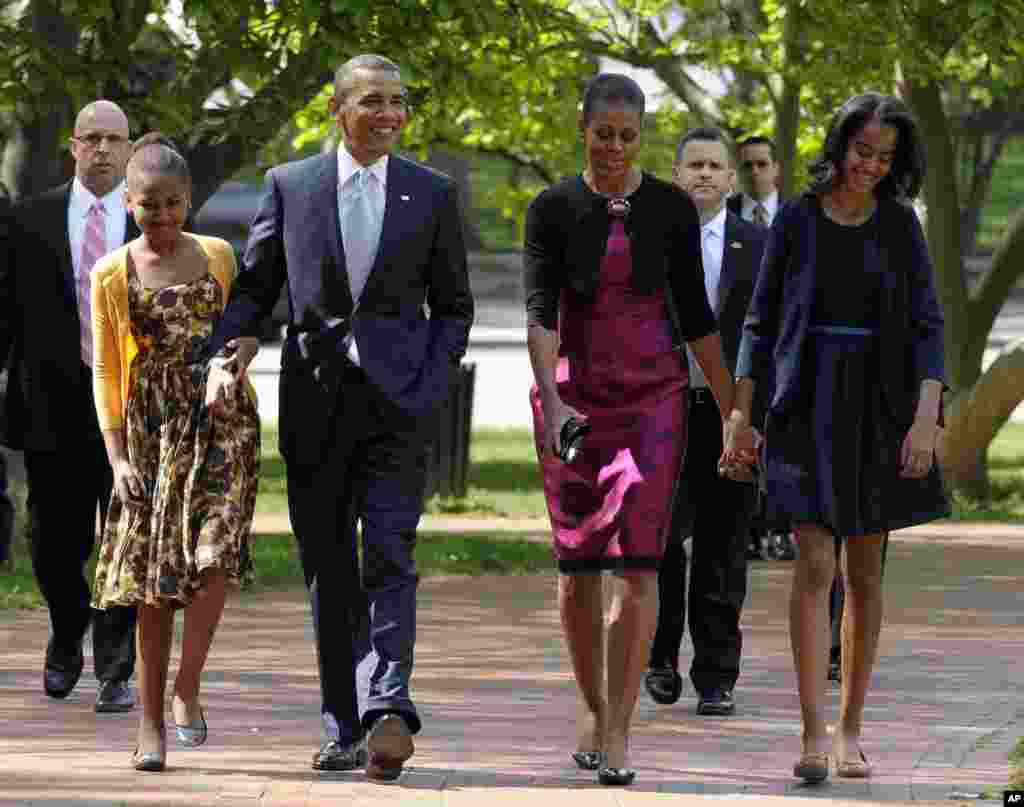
185 475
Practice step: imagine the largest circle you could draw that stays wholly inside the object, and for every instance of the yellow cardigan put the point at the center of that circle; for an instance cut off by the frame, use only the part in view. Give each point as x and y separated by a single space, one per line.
114 347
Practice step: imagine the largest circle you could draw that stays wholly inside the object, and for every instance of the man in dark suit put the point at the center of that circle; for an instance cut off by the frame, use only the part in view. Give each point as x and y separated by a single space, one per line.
759 177
711 508
45 328
362 238
758 203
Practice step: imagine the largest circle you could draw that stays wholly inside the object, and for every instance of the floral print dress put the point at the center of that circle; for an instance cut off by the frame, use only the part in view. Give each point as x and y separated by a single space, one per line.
200 471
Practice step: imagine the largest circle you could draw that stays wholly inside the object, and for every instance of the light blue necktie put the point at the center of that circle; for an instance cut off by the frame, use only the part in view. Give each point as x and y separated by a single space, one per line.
360 228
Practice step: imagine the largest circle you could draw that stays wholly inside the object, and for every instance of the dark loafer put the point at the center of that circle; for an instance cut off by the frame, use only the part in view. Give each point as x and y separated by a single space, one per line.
62 670
333 756
616 777
115 696
587 760
663 684
716 702
388 746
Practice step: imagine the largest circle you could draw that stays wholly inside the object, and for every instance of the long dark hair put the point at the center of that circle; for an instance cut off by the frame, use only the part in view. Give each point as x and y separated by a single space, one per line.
906 174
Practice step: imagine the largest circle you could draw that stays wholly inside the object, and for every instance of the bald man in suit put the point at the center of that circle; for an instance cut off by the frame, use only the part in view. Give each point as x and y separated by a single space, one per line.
54 240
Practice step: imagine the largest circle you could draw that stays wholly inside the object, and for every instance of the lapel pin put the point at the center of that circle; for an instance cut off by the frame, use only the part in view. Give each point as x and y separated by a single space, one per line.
404 197
736 245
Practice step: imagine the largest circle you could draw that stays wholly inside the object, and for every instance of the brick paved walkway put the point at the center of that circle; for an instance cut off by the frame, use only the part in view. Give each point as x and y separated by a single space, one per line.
493 683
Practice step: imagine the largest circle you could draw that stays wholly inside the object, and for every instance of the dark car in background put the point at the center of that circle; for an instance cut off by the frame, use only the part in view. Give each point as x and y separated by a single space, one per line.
228 214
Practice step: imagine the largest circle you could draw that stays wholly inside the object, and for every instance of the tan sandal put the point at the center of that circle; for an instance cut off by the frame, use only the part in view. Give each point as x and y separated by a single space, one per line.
854 769
812 768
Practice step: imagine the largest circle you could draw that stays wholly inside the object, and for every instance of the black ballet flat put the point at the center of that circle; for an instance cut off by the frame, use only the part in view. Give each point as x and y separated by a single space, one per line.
616 777
587 760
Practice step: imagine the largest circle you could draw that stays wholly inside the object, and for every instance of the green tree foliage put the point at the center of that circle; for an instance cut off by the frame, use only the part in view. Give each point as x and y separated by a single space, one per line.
182 73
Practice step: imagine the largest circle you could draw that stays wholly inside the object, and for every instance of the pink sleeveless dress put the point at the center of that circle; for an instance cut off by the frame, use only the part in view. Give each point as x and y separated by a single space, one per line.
611 508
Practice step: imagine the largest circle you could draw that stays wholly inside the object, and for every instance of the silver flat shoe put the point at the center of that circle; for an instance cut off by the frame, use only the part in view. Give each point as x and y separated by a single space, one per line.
153 762
192 736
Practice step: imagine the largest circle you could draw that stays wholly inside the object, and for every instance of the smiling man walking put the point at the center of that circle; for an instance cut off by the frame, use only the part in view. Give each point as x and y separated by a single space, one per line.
362 238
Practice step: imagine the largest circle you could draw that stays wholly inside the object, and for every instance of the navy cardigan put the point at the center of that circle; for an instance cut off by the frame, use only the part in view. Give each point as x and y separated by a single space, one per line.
910 319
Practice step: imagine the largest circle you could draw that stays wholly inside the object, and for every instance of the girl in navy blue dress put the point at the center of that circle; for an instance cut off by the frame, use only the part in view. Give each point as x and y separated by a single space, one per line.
845 326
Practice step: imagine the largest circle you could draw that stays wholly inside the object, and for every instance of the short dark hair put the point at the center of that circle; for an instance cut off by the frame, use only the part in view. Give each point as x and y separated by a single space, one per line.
705 134
344 76
611 88
155 152
759 140
906 174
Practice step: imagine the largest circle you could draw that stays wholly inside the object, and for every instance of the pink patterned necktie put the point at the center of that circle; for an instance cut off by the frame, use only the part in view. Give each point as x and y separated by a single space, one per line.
94 247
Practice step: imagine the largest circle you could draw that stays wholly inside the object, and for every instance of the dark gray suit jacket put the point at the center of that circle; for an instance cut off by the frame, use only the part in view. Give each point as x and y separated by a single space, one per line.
39 327
295 241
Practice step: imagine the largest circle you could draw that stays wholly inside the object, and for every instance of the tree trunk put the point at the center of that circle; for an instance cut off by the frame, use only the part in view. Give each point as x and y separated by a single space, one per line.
787 109
975 417
29 162
944 244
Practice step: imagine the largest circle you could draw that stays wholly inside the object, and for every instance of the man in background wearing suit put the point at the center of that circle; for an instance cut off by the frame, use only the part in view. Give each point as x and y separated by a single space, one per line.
362 238
45 328
759 178
713 509
758 203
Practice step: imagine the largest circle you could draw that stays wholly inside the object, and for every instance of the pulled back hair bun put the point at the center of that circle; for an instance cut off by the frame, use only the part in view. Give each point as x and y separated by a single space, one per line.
156 153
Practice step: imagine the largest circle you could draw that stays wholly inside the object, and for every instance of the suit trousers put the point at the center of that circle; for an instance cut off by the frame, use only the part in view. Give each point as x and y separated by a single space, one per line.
718 572
65 487
364 613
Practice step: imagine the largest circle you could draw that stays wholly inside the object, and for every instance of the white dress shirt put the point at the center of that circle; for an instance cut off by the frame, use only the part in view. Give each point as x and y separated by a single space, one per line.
78 210
712 243
770 204
376 191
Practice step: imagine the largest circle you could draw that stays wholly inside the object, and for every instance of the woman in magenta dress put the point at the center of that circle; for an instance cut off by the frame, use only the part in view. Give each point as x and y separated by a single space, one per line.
614 286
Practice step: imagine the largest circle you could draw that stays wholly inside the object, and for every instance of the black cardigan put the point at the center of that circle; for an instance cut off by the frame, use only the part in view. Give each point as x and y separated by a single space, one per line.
567 228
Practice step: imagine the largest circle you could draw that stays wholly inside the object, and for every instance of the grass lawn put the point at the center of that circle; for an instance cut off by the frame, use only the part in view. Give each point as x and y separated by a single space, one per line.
1006 472
1005 197
277 562
505 481
1017 767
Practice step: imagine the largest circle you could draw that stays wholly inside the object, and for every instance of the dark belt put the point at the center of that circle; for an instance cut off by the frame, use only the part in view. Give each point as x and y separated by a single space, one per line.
701 395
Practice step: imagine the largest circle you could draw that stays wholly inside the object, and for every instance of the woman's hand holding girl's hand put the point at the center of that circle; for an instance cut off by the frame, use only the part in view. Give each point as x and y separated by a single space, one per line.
740 446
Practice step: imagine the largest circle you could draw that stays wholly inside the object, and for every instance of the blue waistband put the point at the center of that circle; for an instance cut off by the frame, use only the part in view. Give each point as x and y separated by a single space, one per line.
842 330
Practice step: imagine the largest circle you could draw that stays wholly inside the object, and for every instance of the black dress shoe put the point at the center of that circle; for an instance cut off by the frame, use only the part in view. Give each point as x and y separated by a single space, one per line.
716 702
388 746
587 760
616 777
333 756
62 670
663 684
785 549
115 696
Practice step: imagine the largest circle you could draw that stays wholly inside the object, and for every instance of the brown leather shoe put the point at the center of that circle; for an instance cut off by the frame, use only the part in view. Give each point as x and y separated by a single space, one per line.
388 745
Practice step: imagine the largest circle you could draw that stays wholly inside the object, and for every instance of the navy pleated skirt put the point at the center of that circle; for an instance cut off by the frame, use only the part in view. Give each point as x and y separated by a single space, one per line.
834 458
